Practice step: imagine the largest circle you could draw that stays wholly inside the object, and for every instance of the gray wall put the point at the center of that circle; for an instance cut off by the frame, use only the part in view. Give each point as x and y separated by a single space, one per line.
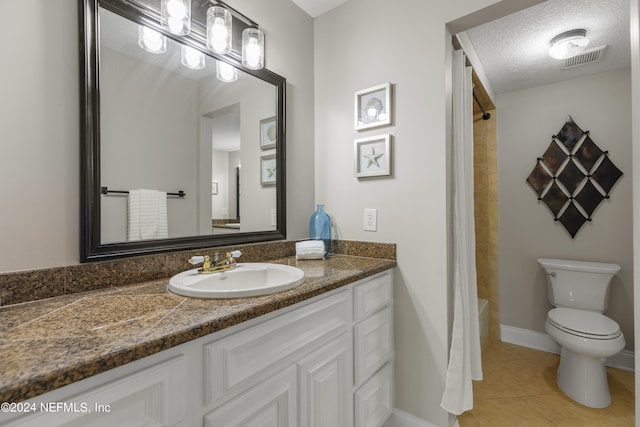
361 44
526 120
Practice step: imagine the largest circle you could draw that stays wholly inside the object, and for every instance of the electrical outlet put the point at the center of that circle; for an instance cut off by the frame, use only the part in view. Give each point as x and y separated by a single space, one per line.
370 220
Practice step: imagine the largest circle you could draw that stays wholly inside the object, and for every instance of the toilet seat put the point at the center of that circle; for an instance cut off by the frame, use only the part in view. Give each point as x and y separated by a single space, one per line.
584 324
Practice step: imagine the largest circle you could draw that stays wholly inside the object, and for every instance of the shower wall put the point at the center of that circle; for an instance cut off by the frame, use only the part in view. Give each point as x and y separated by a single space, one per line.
485 166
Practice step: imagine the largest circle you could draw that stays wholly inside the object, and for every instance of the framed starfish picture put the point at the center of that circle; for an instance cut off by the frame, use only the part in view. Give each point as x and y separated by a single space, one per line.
268 170
372 156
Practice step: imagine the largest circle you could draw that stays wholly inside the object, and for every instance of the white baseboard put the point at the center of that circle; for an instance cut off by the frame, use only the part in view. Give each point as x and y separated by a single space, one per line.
539 341
400 418
528 338
624 360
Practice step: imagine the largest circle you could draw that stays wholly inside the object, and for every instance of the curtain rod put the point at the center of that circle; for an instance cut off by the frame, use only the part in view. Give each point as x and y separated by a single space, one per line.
485 115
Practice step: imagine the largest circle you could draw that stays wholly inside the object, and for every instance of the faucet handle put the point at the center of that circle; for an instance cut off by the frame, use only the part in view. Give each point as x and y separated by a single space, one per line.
199 259
236 254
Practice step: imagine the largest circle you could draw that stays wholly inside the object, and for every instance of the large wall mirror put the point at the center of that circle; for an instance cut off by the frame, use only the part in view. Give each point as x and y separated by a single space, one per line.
203 130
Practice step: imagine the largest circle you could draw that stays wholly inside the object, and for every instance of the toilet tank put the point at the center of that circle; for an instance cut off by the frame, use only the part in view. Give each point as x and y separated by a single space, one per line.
578 284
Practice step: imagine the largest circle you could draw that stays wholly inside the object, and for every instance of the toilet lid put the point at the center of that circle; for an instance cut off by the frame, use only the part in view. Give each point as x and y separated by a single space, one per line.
584 323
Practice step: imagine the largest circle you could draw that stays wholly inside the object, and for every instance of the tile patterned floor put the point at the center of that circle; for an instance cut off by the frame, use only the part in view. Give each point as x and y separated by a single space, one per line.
519 389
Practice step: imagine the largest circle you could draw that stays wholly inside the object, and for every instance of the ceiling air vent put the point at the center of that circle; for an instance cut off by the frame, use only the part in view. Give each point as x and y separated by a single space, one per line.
589 56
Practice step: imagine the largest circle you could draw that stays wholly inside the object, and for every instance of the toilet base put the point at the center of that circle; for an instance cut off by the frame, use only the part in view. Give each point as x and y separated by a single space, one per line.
584 379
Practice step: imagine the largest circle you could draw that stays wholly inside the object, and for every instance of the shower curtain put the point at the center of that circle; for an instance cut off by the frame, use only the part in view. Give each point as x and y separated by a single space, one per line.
464 357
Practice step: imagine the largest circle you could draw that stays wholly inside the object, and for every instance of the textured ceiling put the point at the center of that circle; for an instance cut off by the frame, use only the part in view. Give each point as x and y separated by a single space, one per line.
513 49
317 7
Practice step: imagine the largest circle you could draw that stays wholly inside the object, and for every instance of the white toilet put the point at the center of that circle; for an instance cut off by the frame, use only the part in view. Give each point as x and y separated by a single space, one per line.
580 292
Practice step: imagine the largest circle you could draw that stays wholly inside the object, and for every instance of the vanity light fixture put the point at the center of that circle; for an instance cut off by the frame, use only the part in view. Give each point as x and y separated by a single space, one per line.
175 16
252 48
219 29
226 72
191 58
568 44
151 40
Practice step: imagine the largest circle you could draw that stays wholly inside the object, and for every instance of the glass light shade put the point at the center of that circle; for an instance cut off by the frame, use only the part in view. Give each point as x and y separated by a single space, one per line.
219 31
226 72
191 58
176 16
151 40
252 48
568 44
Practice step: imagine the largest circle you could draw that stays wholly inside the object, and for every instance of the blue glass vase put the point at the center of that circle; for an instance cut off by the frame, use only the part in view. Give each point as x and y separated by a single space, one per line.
320 228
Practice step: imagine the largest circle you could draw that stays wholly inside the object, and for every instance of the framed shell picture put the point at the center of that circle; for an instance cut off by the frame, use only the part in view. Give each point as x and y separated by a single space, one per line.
372 107
268 133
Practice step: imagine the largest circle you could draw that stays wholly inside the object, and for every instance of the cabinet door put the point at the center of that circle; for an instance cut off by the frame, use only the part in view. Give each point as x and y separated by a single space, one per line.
374 400
325 385
272 403
249 356
371 295
152 397
373 344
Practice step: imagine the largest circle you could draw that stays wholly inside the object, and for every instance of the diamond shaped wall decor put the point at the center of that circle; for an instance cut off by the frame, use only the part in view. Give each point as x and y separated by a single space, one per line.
573 177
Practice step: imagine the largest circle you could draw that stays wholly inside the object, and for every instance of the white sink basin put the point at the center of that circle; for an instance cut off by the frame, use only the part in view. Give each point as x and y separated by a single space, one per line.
246 280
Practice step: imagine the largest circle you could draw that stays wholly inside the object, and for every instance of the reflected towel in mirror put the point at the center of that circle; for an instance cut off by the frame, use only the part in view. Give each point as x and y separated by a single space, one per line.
147 215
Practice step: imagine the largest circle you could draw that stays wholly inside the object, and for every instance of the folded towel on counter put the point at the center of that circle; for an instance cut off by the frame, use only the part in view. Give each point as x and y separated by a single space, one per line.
147 216
310 249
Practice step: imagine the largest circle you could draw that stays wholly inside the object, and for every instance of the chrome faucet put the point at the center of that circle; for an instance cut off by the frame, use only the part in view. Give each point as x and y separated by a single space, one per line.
228 263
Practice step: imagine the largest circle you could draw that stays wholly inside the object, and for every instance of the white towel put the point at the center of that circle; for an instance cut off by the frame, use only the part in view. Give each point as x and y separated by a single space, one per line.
147 217
310 249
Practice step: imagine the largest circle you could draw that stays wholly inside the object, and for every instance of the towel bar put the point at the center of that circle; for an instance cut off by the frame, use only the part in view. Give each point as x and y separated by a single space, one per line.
105 190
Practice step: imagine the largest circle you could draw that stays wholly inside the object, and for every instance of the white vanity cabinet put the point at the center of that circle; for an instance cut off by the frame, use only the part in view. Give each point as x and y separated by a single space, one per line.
324 362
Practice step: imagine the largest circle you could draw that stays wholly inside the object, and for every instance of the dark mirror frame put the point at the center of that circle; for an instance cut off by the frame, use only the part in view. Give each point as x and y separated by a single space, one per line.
91 248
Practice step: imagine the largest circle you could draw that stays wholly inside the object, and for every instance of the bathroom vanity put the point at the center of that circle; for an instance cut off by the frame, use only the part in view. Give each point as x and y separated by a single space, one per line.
317 355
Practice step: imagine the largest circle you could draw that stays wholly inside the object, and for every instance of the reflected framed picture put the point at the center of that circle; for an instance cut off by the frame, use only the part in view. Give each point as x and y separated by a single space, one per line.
372 156
372 107
268 133
214 187
268 170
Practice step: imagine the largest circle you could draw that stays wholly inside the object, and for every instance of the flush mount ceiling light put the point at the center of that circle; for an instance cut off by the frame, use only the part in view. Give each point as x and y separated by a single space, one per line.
568 44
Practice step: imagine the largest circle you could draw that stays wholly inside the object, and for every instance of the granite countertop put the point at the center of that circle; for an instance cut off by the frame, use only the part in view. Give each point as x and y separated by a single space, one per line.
53 342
